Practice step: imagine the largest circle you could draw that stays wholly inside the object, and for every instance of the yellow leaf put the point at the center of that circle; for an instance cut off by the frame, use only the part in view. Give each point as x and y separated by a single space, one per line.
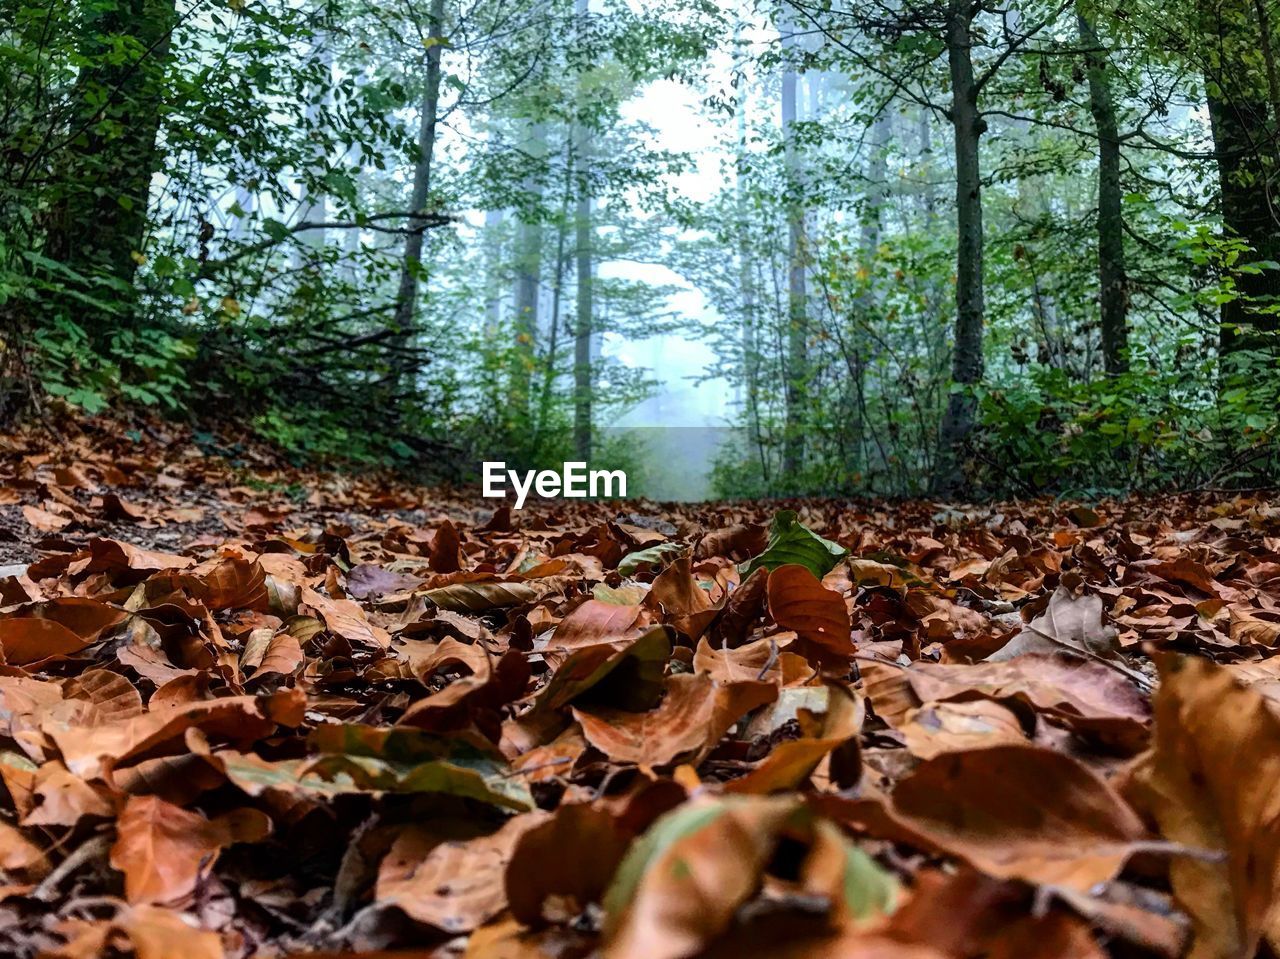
230 306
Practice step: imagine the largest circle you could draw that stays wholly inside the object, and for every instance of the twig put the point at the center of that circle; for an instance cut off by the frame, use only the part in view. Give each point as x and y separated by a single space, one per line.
533 769
877 659
1122 670
1164 847
92 848
342 935
769 663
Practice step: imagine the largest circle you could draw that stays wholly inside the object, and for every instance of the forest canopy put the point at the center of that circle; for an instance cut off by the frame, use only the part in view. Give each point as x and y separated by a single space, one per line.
947 246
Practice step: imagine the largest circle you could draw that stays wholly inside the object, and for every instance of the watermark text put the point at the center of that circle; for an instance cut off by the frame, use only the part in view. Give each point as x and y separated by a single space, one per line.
573 481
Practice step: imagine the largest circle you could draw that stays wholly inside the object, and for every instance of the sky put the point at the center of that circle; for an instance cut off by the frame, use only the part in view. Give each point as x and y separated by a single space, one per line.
672 110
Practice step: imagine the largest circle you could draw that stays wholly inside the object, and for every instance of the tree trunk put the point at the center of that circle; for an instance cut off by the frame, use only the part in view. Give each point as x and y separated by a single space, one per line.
1113 284
928 195
314 207
877 169
747 283
966 358
494 248
1243 173
549 371
98 226
403 320
1241 118
582 385
493 270
528 253
797 318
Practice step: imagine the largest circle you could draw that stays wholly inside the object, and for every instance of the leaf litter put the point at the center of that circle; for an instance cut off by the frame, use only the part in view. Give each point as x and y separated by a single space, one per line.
251 711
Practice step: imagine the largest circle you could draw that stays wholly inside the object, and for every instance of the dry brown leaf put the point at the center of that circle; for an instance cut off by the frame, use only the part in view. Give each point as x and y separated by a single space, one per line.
43 520
791 762
163 850
595 622
1211 782
692 717
27 641
456 884
1071 622
1249 629
1084 696
1012 812
345 618
688 896
798 601
947 727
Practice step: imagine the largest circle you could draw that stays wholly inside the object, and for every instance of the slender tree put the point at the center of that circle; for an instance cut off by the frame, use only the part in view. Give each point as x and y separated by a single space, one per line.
946 29
528 270
746 270
1235 44
583 328
797 299
967 126
1113 284
404 319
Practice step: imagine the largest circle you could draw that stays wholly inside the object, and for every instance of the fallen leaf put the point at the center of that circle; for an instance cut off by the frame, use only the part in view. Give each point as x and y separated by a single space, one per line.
454 885
679 887
1068 621
163 850
693 716
799 602
1211 783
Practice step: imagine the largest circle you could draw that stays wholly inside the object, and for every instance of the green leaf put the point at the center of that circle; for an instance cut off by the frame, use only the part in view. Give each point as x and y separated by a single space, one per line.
790 542
660 861
356 759
869 891
341 185
481 778
359 758
88 400
654 555
683 821
275 229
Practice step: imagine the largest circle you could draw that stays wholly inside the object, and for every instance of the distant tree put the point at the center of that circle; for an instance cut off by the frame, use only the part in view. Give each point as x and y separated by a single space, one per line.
797 358
1112 280
583 329
411 269
906 43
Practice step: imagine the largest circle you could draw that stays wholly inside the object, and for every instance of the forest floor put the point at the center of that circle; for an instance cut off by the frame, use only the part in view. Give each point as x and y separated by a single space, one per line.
252 711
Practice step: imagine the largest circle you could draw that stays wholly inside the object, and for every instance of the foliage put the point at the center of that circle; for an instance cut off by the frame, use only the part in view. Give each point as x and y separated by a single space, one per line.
208 210
1143 429
217 291
791 542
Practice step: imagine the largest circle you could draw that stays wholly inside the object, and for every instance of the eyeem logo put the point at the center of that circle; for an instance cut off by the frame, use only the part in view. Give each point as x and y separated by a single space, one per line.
573 481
